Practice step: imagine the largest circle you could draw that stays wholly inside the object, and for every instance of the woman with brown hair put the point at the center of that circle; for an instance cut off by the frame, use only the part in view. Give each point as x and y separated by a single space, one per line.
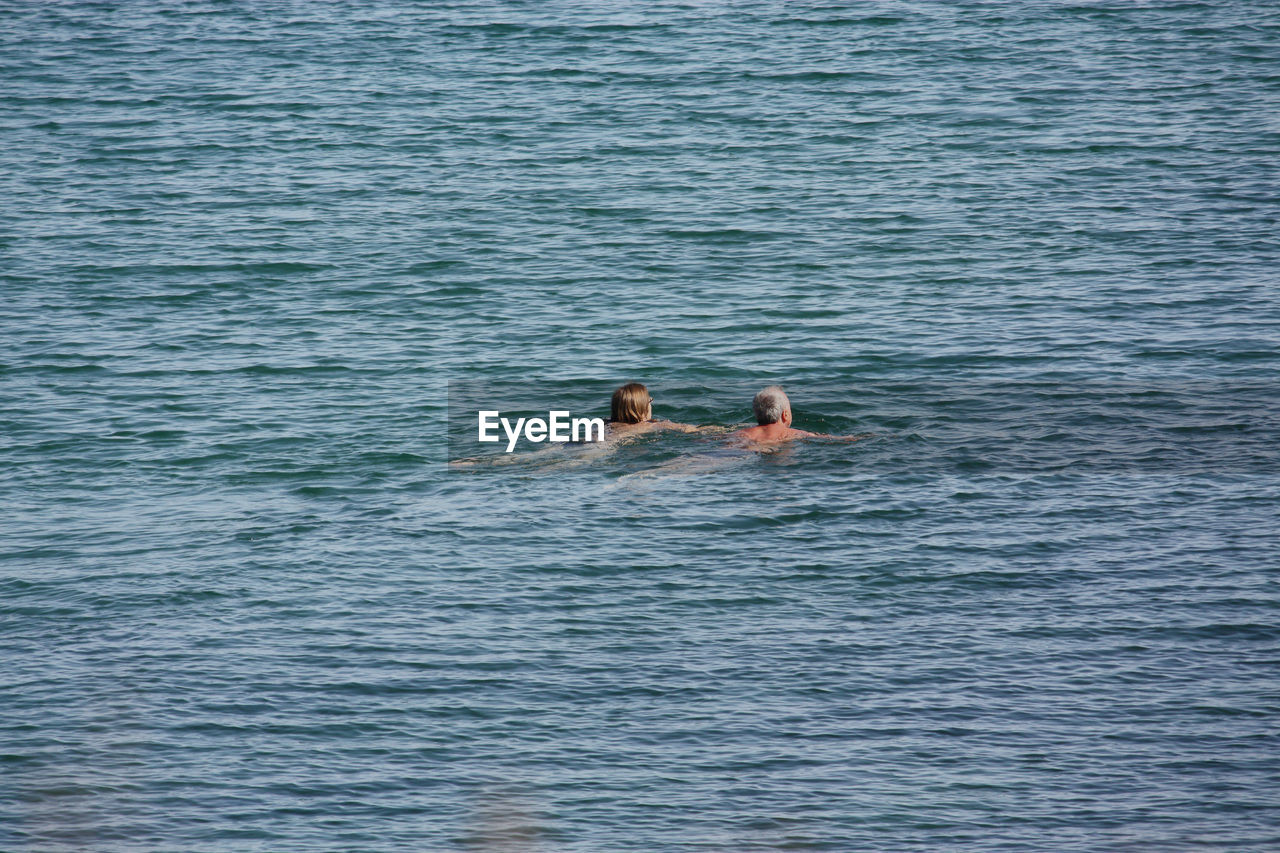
631 413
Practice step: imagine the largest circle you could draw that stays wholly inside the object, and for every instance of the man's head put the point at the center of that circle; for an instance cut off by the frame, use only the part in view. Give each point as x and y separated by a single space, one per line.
772 406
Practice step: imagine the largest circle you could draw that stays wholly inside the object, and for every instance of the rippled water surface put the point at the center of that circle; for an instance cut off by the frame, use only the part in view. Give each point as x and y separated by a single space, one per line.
1029 247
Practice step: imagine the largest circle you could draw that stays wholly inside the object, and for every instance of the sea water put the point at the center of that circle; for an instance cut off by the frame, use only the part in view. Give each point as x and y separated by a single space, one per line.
1029 249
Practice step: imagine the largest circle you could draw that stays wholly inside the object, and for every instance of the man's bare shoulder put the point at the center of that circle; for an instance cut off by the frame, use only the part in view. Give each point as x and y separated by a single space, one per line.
765 435
746 434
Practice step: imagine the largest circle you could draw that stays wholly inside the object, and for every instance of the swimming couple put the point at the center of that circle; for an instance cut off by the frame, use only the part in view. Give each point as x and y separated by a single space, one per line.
631 413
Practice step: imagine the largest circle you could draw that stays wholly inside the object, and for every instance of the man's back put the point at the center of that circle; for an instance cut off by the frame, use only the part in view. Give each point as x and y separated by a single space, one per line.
769 433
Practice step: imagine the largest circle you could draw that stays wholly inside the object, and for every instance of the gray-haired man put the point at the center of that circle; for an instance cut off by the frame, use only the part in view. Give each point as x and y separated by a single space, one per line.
773 414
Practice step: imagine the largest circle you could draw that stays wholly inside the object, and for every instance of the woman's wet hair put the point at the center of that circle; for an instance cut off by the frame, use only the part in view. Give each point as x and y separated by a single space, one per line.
630 404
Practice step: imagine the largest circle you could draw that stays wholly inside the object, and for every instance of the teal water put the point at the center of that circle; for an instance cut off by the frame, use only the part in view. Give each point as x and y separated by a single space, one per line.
1030 247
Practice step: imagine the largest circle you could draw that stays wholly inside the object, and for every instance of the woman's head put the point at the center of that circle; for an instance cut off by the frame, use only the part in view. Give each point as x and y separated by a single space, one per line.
631 404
